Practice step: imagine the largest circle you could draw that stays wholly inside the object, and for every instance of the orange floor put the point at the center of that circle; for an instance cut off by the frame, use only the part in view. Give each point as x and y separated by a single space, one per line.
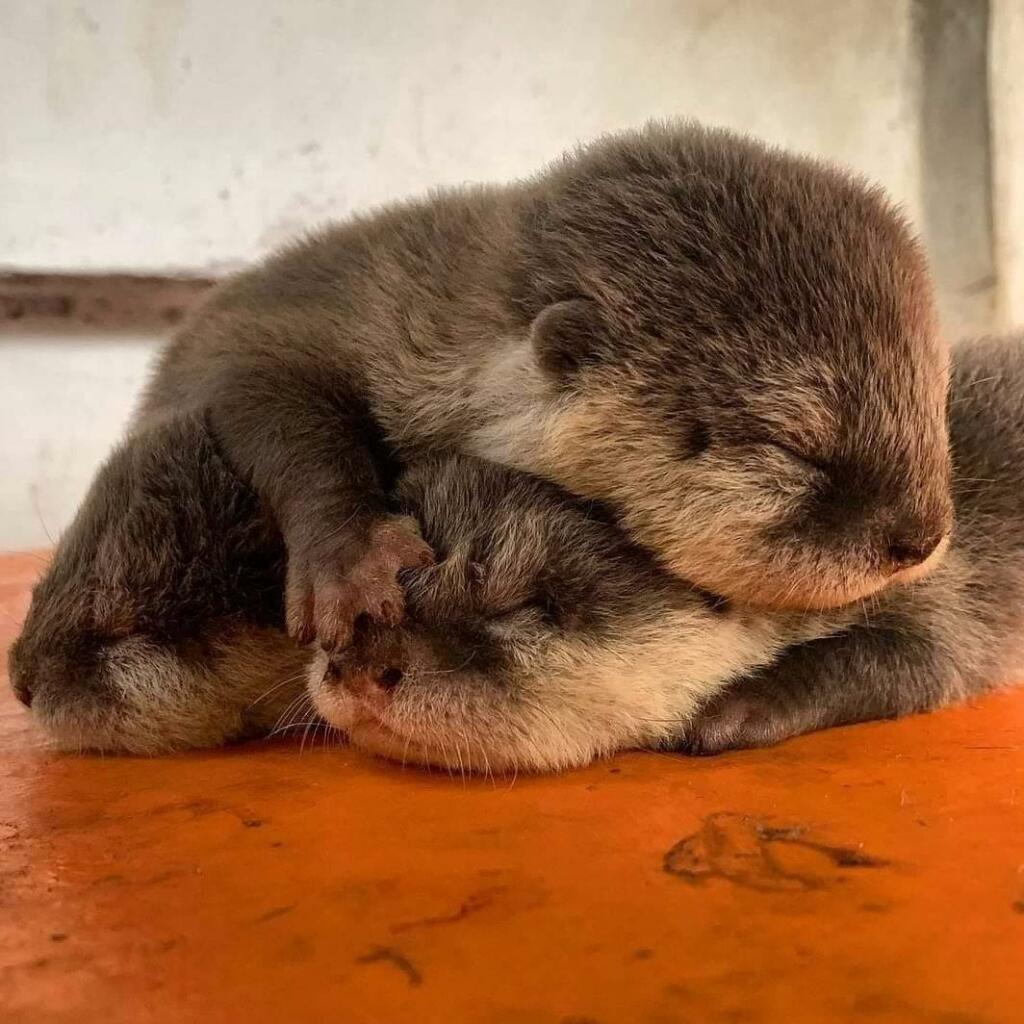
866 874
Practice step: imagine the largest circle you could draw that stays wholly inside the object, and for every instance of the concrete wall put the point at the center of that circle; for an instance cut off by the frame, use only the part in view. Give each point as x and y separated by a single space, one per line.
64 399
185 135
188 136
1006 90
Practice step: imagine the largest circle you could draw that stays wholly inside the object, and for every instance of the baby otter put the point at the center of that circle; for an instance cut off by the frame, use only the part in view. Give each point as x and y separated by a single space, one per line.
159 623
942 639
569 689
543 637
733 348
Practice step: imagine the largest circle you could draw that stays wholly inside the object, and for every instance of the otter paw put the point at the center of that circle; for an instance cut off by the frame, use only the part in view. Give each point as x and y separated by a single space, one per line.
332 584
739 721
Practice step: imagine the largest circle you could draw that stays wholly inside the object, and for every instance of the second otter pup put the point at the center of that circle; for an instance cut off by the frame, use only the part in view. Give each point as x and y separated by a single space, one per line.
541 639
159 622
733 348
420 692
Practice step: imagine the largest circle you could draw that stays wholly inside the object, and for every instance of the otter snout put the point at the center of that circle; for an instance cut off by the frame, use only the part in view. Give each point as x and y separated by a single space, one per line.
60 666
905 554
371 685
910 560
371 667
21 681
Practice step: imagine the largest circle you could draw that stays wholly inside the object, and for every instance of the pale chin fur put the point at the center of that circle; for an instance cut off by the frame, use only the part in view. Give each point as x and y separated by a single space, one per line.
151 703
153 707
568 705
856 589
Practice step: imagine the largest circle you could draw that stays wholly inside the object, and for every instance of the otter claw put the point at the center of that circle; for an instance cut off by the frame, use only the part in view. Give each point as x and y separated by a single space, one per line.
325 596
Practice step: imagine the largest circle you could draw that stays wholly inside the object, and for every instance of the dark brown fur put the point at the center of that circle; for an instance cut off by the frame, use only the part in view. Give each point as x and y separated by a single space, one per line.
161 614
733 347
954 634
543 637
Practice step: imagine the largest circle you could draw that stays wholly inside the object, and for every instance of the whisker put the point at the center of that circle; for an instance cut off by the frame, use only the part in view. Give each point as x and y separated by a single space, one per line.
449 671
290 709
275 687
295 725
34 490
305 732
300 707
462 767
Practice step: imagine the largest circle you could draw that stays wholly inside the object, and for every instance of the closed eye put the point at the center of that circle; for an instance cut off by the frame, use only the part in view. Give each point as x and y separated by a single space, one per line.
698 439
809 461
537 612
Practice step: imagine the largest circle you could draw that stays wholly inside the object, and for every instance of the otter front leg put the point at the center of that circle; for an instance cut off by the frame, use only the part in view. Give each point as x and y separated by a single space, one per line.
338 573
290 416
863 674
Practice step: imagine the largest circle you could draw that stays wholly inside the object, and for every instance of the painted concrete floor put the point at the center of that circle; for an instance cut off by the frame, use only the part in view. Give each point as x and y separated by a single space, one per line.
865 874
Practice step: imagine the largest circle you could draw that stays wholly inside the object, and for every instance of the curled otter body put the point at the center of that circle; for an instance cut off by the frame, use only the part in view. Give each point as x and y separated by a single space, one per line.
732 347
644 682
543 636
956 633
541 639
158 624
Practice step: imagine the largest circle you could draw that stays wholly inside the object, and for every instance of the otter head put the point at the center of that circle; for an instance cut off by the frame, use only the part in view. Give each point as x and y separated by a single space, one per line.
541 639
738 352
155 626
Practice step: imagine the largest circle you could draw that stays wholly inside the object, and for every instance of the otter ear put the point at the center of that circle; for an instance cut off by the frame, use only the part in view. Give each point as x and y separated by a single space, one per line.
567 336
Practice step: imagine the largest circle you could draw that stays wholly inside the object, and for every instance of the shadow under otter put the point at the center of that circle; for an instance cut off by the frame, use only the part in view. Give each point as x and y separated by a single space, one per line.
540 639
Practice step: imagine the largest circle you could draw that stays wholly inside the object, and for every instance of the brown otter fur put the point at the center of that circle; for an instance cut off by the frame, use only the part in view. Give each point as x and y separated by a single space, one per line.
543 636
954 634
159 621
733 348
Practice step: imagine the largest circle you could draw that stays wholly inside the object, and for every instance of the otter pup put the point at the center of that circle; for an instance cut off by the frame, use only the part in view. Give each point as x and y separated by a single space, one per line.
576 689
159 623
542 638
731 347
954 634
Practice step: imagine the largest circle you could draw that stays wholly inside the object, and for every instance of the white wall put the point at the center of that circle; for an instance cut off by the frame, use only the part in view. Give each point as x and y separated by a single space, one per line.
1006 86
186 135
64 399
156 136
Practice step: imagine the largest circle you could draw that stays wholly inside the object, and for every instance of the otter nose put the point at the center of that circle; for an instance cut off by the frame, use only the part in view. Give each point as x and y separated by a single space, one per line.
905 552
371 683
371 667
22 688
21 681
390 677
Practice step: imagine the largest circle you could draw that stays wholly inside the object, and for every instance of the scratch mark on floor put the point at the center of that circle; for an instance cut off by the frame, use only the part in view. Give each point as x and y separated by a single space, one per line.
474 903
748 853
273 912
385 954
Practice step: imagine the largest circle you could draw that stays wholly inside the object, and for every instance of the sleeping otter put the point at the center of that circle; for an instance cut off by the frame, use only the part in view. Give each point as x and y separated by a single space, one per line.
942 639
159 622
543 636
731 347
